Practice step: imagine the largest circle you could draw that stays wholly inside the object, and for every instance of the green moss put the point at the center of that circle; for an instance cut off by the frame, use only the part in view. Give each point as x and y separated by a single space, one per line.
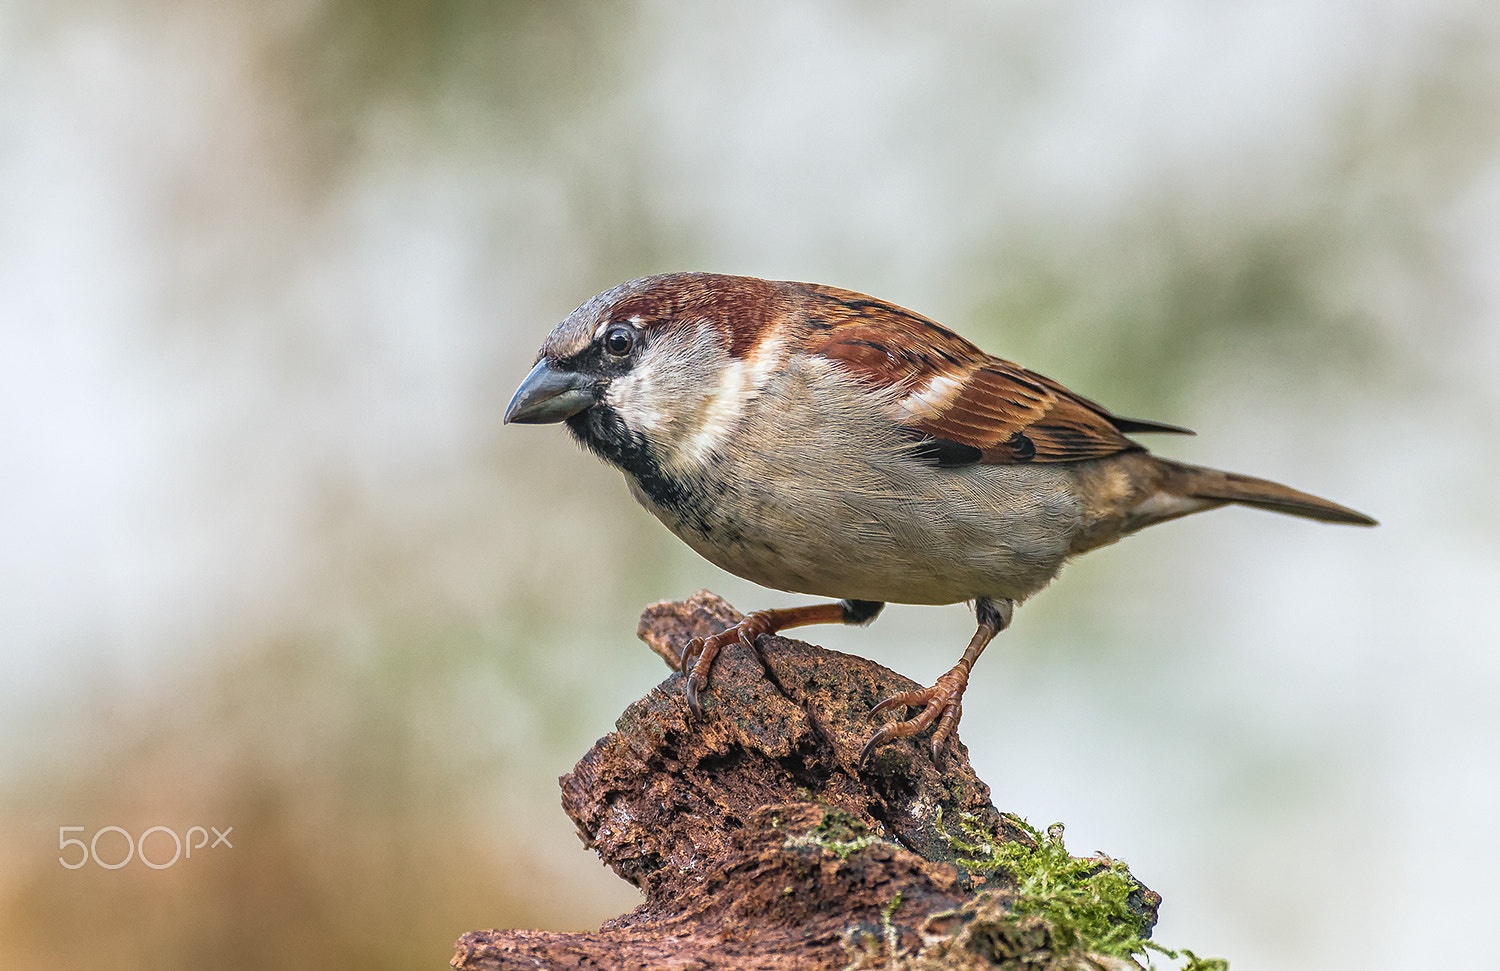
1061 906
887 929
1086 901
839 833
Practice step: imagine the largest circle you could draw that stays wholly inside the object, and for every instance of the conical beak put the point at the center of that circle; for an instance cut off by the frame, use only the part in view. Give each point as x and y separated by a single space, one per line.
547 396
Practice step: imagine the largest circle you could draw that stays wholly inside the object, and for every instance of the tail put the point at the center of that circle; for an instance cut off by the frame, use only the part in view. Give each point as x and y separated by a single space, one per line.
1196 482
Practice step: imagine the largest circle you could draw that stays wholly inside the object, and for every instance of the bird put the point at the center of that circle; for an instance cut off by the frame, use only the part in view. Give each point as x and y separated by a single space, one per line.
824 442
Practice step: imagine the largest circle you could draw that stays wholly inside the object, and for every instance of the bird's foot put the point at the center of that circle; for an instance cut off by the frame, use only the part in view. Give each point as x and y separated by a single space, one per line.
942 703
699 653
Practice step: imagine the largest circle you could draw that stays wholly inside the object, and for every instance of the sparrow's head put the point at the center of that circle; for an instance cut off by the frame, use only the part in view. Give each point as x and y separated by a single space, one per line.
657 368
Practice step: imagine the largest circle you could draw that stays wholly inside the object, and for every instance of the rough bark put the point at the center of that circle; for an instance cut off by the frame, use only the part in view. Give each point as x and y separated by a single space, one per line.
759 840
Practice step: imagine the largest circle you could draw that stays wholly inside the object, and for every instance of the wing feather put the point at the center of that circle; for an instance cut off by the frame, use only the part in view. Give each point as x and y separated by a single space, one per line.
949 393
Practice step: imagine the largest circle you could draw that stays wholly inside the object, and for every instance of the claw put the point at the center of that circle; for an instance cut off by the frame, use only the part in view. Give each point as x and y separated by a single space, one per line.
698 654
876 740
701 651
690 652
941 703
947 722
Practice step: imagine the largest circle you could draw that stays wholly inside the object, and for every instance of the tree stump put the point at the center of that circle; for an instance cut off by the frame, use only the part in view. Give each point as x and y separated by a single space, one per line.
760 841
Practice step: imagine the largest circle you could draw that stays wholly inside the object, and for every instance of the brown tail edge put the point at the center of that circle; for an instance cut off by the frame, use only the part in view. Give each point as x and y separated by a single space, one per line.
1203 483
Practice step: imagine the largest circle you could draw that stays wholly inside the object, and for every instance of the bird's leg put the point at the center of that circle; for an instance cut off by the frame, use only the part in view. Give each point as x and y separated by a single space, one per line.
699 653
943 702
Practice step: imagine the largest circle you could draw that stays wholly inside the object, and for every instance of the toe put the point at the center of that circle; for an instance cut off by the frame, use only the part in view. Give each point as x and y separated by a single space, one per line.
947 722
907 699
940 705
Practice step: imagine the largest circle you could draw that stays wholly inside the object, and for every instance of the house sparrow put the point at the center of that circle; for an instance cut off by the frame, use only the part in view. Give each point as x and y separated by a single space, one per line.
824 442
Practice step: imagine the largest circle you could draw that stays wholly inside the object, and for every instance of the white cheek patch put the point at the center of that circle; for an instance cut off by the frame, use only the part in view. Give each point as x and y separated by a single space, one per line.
931 398
633 397
721 412
740 382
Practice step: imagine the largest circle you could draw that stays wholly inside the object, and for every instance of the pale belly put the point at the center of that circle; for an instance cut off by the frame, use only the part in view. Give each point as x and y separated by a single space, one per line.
892 532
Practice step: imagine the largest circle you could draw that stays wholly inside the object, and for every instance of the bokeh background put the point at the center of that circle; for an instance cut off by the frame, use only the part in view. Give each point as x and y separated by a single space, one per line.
268 559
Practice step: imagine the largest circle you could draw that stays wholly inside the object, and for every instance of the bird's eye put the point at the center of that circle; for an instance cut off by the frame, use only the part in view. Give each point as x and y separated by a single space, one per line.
619 341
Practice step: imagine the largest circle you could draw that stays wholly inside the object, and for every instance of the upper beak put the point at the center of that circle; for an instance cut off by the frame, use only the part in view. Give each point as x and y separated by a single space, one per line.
547 396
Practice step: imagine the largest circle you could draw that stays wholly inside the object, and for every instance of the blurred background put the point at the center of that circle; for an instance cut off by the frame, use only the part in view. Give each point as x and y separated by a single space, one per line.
269 561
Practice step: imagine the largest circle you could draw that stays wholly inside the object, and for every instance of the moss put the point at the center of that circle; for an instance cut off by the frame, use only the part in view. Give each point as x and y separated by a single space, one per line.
1061 906
838 833
888 930
865 951
1086 902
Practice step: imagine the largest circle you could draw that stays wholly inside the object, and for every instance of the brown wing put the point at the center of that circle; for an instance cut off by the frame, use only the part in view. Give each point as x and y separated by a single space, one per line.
965 405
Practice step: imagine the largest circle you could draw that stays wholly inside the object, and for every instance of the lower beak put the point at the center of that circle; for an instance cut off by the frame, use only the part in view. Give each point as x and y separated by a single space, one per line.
547 396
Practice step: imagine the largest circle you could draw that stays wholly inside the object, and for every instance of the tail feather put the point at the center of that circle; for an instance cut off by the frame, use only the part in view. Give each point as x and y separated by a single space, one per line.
1202 483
